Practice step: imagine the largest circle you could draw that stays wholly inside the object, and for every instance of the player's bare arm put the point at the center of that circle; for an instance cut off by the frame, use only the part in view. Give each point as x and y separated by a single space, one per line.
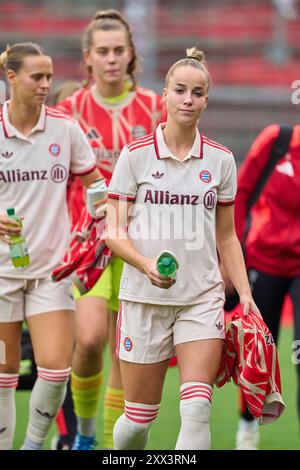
231 255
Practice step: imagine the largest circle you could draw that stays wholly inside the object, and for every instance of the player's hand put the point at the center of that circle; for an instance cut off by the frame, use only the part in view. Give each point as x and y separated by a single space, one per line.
248 305
8 227
149 268
100 207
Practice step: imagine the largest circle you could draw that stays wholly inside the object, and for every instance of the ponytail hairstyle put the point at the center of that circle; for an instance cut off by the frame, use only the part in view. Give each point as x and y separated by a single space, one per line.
196 59
12 58
110 20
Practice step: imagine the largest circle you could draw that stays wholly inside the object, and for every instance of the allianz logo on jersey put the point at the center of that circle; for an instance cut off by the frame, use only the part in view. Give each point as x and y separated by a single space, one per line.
165 197
57 174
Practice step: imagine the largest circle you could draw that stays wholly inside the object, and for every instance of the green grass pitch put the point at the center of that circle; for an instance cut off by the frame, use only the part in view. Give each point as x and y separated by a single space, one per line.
283 434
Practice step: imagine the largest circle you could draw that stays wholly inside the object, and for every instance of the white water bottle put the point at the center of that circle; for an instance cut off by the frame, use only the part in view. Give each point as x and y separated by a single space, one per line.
96 191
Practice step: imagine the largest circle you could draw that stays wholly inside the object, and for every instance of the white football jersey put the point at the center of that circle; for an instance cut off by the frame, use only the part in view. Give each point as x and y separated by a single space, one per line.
34 172
174 209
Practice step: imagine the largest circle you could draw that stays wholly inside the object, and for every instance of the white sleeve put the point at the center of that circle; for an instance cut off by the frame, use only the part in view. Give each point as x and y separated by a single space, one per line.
228 185
123 184
83 160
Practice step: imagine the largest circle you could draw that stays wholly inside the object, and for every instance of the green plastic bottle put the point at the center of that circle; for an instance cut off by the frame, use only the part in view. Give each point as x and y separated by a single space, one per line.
18 247
167 264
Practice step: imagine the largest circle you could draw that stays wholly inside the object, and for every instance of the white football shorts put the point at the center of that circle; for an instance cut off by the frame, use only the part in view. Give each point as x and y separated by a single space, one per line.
21 298
148 333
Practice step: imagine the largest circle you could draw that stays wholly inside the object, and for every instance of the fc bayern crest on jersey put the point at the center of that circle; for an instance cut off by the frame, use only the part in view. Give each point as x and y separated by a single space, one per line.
127 344
205 176
54 150
209 200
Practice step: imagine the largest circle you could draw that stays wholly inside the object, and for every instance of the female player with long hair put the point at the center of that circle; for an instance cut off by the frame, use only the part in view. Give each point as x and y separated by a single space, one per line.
39 147
166 187
112 110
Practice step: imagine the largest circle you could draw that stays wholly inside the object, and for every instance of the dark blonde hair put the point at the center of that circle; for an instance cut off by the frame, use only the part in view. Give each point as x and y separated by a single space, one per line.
110 20
12 58
196 59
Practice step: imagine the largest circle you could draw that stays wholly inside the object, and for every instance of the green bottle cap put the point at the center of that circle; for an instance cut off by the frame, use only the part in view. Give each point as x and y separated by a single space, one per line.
10 211
167 264
166 261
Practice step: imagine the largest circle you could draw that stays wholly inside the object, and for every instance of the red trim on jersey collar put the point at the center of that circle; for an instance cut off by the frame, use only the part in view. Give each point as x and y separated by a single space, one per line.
11 131
156 146
201 145
4 129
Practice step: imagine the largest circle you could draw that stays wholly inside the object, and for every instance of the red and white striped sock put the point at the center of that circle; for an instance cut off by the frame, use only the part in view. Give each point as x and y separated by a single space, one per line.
195 404
47 396
131 431
8 384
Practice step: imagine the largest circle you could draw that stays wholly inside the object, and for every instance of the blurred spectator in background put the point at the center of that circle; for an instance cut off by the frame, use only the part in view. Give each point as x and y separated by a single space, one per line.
272 245
62 91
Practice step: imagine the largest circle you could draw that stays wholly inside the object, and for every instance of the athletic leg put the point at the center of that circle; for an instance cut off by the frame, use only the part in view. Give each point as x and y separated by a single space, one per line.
87 375
10 335
295 297
53 353
143 384
198 363
144 346
114 394
80 408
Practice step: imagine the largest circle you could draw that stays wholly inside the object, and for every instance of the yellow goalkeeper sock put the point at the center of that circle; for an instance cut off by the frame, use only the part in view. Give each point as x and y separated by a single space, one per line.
85 391
113 409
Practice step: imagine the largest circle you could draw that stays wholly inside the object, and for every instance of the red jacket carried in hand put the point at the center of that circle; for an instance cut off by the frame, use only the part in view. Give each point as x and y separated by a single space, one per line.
250 358
87 256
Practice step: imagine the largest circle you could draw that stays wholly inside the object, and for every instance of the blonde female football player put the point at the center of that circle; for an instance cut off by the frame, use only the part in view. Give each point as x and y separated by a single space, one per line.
175 174
112 110
38 149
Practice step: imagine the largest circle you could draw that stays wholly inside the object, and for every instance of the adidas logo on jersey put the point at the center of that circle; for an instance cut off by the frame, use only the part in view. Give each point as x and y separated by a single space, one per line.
219 326
157 175
7 154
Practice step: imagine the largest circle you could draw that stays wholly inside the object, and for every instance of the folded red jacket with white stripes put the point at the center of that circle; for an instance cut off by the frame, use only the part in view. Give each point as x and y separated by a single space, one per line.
87 255
250 359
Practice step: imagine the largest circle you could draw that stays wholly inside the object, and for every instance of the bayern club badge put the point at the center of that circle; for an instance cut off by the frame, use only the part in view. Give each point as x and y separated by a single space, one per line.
54 150
205 176
127 344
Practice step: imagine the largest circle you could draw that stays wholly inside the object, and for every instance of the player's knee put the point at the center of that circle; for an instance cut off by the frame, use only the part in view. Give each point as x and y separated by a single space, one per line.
131 431
195 402
196 410
90 345
9 368
54 362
